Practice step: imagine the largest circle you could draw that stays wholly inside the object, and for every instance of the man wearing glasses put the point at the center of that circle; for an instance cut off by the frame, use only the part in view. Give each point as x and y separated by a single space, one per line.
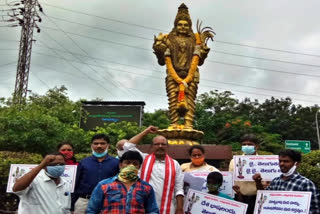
42 190
91 171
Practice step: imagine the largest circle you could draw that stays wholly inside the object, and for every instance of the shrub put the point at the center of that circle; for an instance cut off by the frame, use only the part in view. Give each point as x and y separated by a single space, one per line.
310 166
9 201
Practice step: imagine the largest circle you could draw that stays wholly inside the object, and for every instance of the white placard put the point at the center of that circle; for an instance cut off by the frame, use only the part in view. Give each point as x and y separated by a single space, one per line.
18 170
198 181
245 166
199 202
282 202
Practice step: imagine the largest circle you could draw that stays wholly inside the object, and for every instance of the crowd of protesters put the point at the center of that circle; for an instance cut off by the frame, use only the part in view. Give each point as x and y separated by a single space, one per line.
136 182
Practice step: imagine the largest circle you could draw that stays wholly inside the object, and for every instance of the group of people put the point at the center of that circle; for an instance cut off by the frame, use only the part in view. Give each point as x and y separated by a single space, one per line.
136 182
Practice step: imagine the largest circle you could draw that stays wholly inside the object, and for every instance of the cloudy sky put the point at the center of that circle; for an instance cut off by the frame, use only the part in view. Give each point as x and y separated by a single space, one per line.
103 48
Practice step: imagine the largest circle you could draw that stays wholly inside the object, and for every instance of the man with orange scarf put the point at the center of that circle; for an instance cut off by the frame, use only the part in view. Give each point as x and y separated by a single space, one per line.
165 176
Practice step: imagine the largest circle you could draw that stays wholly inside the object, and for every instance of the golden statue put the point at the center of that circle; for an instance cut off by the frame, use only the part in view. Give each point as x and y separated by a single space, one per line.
182 51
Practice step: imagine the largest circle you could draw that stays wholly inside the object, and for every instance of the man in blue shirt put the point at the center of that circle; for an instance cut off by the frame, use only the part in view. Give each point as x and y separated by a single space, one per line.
124 193
91 171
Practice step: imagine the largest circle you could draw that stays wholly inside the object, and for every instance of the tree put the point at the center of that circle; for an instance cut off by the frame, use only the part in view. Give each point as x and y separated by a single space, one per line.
158 118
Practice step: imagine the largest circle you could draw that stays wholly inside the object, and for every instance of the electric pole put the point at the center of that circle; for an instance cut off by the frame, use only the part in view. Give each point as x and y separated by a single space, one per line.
26 17
28 24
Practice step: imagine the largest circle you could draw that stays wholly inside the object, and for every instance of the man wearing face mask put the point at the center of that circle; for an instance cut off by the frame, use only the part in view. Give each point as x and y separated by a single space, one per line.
290 180
246 191
91 171
125 192
42 190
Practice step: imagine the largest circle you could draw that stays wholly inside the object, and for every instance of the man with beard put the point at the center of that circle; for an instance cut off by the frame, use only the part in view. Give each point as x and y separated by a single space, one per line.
290 180
165 176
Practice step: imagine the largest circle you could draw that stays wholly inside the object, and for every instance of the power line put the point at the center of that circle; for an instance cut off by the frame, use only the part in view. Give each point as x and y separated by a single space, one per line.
84 51
161 30
101 40
77 68
8 49
101 17
100 59
149 76
151 39
266 89
263 69
261 58
213 61
40 80
3 65
267 95
100 28
269 49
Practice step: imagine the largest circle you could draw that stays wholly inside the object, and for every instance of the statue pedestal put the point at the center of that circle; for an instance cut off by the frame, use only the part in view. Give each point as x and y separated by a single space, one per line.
181 136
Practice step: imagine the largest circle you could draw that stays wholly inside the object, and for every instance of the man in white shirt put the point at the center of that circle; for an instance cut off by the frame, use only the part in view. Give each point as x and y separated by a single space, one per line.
42 190
165 176
158 169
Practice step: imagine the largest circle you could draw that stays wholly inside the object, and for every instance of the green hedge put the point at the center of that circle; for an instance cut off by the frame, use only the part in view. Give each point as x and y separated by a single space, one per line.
9 201
8 158
310 166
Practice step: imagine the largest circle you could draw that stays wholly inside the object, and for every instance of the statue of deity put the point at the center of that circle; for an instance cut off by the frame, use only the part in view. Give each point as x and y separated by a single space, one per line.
182 51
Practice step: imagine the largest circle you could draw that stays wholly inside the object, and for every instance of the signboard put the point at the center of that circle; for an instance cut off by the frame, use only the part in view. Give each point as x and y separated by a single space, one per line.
199 202
198 181
282 202
301 145
99 113
18 170
245 166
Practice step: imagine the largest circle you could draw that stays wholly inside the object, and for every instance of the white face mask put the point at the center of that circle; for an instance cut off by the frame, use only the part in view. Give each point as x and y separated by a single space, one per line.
291 171
120 152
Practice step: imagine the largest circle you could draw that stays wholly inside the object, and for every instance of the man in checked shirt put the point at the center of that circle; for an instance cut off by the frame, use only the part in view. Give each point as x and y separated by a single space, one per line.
290 180
125 192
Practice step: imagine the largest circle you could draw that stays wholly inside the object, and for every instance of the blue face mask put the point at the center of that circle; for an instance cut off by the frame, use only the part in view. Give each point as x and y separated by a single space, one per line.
55 171
100 155
248 150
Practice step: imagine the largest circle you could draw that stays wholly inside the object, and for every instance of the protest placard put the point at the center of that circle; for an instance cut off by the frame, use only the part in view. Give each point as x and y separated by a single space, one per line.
282 202
199 202
245 166
198 181
18 170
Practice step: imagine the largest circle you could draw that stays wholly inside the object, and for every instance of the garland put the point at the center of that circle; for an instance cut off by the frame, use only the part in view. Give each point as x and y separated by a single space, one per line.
183 83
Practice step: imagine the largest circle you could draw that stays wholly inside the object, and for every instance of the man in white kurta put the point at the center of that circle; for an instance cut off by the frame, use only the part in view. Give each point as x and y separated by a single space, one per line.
157 182
160 171
165 176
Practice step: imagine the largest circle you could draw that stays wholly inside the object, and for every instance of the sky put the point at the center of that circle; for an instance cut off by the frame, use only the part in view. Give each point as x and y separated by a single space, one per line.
103 49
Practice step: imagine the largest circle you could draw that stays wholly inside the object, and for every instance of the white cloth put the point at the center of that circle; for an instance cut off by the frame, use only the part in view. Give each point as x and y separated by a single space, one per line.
127 146
157 181
43 196
81 205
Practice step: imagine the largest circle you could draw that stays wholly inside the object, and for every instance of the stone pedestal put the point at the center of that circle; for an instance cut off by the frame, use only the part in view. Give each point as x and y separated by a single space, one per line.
182 136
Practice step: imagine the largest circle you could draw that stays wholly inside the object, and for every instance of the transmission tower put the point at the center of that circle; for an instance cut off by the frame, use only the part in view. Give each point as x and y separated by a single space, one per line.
25 17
